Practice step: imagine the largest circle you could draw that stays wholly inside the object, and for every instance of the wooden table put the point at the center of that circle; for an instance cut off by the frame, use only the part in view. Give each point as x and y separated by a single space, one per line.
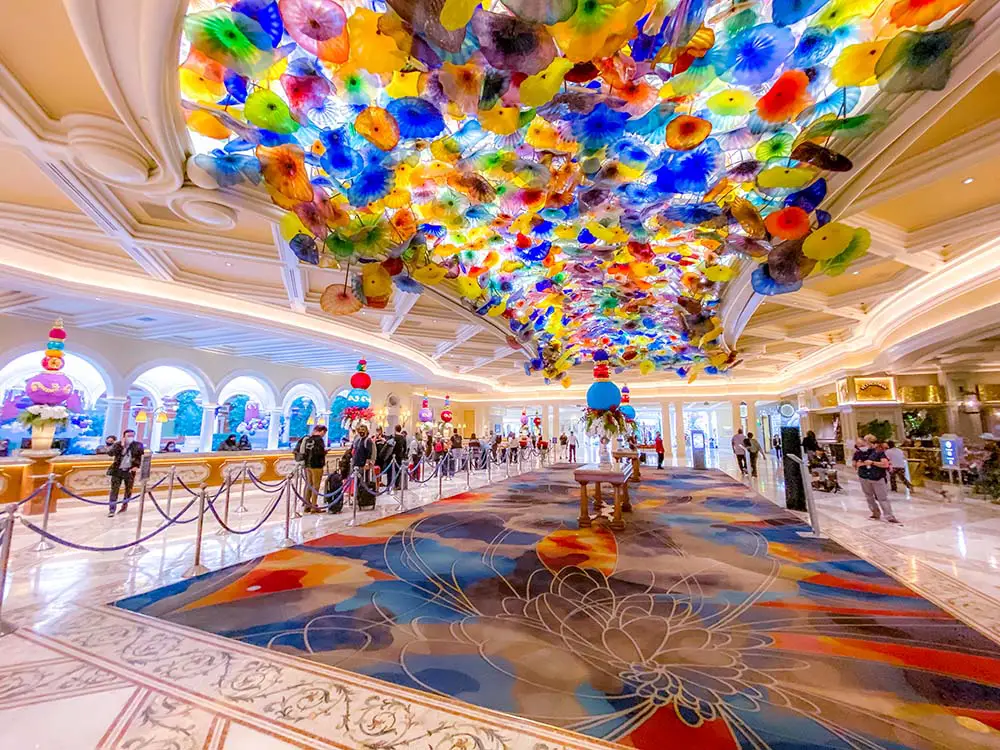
598 475
633 456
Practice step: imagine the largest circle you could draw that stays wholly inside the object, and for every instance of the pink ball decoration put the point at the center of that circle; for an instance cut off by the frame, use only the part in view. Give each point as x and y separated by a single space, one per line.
48 388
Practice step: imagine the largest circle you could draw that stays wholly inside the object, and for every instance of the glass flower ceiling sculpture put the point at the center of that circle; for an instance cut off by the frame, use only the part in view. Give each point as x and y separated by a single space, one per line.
587 170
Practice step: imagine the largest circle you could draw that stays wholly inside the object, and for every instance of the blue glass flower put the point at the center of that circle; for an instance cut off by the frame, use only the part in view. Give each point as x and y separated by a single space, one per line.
416 117
756 53
815 45
762 283
264 12
341 157
602 126
230 169
809 197
371 184
696 213
788 12
305 248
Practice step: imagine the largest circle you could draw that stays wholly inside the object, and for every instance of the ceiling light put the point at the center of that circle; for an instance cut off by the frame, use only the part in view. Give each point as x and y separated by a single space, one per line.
968 180
856 273
228 263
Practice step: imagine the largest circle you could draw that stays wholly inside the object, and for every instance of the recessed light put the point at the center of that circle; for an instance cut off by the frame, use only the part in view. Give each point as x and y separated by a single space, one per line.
228 263
857 272
968 180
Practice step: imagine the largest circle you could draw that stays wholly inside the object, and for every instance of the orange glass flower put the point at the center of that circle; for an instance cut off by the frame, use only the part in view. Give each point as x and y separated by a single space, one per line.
789 223
687 132
378 127
284 170
922 12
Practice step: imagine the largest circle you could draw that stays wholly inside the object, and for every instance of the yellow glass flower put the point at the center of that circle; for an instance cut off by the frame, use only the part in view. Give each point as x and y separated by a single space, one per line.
856 64
538 89
731 103
827 241
786 177
371 49
500 120
429 274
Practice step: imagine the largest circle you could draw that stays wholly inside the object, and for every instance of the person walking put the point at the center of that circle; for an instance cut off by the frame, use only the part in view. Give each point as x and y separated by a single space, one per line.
897 467
572 447
740 450
872 465
311 452
753 448
658 443
126 457
810 444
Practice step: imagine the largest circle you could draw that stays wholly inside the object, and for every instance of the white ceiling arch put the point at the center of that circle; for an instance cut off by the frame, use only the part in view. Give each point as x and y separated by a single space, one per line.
303 389
165 380
248 383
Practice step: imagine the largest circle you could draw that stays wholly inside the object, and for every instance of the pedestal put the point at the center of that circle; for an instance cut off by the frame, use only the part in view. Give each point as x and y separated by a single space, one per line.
34 477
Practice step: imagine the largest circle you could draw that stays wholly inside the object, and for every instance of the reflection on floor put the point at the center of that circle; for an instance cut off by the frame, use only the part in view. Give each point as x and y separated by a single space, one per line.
710 622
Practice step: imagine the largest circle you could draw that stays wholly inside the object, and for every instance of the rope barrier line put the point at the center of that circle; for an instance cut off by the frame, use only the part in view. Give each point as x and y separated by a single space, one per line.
267 515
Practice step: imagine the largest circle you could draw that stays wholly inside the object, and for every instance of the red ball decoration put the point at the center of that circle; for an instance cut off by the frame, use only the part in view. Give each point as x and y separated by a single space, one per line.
361 379
57 333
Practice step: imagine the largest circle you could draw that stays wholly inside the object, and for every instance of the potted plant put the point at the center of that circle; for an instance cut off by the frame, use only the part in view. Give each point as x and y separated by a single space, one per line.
43 421
882 429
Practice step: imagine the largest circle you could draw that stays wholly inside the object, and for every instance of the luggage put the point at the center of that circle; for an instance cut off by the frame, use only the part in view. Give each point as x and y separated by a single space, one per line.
336 502
365 495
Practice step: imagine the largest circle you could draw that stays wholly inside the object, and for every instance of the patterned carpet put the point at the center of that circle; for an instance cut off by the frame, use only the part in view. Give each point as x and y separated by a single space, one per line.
709 623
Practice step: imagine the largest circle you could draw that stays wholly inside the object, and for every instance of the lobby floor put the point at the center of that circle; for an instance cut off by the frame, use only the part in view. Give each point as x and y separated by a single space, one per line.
114 679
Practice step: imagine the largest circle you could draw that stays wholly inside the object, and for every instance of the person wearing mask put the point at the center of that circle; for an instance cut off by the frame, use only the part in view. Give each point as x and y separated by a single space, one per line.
572 447
897 467
244 444
658 444
311 453
455 452
229 444
399 453
872 466
740 450
563 441
810 444
103 450
475 450
171 447
753 448
362 462
126 457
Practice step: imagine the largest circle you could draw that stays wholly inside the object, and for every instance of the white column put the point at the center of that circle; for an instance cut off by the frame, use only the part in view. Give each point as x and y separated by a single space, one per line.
679 429
207 427
737 420
155 433
113 412
274 429
550 421
665 432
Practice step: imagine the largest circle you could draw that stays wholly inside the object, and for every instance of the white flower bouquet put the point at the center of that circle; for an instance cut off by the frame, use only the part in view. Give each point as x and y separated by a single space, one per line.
40 414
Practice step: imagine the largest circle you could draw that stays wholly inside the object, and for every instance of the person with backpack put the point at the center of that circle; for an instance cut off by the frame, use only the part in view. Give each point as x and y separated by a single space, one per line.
399 454
311 453
362 462
753 448
455 454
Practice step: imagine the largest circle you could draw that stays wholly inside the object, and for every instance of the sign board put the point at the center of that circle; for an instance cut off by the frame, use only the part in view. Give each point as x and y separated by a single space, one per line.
743 410
146 466
698 440
952 447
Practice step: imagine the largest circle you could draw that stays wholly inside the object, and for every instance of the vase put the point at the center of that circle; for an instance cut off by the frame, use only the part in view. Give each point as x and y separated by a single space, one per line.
42 434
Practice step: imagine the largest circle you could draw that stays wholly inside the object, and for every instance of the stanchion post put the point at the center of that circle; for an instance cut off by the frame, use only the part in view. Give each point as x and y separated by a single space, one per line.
440 478
7 526
170 488
243 488
197 568
137 550
355 476
489 463
468 470
225 508
44 544
810 498
301 479
288 541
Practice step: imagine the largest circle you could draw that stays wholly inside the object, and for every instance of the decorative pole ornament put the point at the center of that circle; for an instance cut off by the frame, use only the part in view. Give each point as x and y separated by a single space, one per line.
524 417
48 391
446 415
359 401
602 393
627 410
426 414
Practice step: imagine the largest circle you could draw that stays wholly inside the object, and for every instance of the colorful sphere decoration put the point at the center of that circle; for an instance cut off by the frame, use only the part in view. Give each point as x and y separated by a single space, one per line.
426 414
361 379
524 418
446 415
591 173
627 410
51 387
602 393
537 421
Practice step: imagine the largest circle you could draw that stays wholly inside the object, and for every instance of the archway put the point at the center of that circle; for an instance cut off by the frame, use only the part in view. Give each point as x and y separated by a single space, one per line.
83 432
303 405
165 404
246 402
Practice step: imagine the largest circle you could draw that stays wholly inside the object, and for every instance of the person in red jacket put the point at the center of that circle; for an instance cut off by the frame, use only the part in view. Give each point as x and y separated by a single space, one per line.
659 451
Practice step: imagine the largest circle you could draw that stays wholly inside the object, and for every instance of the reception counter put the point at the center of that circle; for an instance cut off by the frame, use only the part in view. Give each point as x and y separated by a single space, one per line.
87 475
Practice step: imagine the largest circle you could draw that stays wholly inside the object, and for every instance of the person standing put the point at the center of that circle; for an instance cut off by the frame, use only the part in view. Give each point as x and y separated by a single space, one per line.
740 450
872 465
126 457
572 446
659 451
753 448
897 467
776 444
362 461
399 453
109 442
311 451
810 444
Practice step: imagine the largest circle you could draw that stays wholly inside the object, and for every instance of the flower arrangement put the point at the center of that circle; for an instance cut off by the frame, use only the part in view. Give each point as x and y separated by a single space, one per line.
358 414
40 415
607 423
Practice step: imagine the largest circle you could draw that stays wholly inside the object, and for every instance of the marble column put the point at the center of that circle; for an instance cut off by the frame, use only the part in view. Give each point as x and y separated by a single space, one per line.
679 429
550 421
207 427
274 429
737 420
155 433
752 425
848 429
113 411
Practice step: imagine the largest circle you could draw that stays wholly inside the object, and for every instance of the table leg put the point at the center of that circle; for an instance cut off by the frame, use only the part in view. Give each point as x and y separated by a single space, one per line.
636 474
627 501
617 522
598 499
584 507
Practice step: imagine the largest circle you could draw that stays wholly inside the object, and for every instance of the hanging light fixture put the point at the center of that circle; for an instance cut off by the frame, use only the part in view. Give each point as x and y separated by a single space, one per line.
141 417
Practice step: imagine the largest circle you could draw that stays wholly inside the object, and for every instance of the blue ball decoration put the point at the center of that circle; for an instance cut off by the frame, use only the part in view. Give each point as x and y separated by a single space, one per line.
359 397
603 394
628 411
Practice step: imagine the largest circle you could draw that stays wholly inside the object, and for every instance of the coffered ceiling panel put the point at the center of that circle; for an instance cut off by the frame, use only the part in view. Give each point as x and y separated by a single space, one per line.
25 184
978 107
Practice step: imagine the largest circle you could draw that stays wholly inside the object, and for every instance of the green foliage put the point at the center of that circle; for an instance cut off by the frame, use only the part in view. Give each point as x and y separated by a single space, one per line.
237 411
302 409
882 429
989 485
188 418
920 424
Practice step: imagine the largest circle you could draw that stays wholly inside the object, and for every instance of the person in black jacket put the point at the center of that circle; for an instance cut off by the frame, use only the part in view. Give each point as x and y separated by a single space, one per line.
399 454
126 457
311 451
363 459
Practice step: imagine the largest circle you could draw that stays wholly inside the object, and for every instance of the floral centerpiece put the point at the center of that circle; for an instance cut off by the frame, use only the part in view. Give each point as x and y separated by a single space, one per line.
603 418
607 423
354 415
48 391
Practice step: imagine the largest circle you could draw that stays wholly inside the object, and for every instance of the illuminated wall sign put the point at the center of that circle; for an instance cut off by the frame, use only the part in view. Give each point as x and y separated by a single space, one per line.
874 389
743 409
